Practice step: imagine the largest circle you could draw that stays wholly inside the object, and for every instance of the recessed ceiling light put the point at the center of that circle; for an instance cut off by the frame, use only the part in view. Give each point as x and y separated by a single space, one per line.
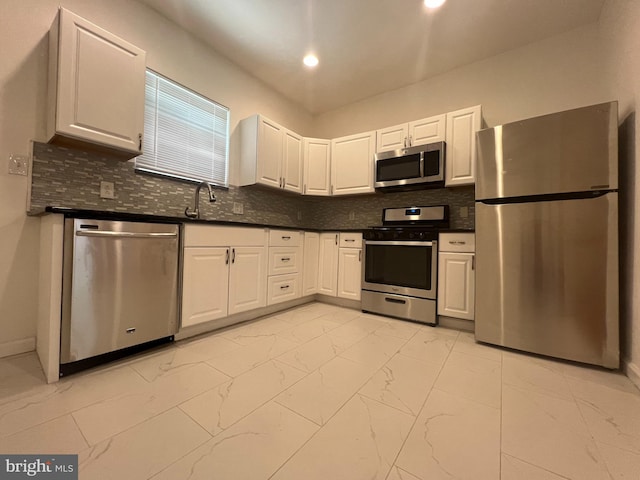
433 3
310 60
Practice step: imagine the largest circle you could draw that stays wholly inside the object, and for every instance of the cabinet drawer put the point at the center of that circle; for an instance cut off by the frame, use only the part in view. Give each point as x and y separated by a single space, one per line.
350 240
281 288
284 238
284 260
219 236
457 242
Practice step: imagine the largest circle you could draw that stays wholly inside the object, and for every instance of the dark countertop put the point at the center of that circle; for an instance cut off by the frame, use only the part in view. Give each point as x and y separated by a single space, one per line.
144 217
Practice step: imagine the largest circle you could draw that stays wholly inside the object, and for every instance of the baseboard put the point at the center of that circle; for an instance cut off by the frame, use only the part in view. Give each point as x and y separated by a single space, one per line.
633 372
456 323
340 302
17 346
231 320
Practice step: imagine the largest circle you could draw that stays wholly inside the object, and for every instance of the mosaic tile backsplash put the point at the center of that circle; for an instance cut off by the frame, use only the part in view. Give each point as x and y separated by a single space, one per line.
65 177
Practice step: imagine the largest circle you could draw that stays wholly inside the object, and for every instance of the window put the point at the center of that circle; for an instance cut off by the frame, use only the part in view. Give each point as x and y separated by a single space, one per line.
185 135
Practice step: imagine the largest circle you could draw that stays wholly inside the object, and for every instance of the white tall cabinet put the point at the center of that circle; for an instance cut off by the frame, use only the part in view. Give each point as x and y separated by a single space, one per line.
96 86
352 163
224 272
462 126
456 275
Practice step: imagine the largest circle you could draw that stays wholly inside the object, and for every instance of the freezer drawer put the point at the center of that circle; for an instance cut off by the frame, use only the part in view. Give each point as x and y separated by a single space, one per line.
120 286
547 278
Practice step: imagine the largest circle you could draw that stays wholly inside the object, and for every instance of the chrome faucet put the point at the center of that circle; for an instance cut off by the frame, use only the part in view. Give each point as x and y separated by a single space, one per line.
196 201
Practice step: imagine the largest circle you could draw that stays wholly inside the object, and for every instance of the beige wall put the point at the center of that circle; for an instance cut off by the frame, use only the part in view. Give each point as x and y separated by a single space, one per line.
620 37
23 77
552 75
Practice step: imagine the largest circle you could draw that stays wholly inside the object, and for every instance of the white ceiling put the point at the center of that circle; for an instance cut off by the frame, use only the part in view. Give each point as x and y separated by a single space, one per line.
366 47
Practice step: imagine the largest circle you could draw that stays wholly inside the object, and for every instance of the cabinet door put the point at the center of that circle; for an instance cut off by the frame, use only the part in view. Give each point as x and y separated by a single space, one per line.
352 164
349 273
392 138
310 265
328 264
100 85
270 135
456 285
247 279
427 130
462 126
205 285
292 162
317 164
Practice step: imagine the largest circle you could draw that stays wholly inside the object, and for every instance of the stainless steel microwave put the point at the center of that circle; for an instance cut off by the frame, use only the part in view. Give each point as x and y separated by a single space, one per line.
411 168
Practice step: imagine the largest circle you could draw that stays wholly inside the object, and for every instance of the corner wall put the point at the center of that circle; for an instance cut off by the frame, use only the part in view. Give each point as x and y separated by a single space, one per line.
619 31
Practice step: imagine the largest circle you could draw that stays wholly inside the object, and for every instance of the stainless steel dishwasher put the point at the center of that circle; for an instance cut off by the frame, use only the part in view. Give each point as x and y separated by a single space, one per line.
120 286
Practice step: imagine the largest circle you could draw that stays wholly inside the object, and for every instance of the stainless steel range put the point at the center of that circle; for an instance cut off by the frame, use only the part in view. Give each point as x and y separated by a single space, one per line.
400 269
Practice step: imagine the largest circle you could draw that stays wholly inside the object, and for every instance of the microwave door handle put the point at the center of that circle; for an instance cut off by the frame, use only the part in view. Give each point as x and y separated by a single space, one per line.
422 164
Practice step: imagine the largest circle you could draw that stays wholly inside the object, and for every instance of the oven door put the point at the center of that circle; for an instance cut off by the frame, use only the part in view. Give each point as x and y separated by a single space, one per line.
403 267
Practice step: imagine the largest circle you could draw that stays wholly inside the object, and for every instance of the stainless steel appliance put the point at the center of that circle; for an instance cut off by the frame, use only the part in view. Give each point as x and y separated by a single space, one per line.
120 286
400 267
413 167
547 235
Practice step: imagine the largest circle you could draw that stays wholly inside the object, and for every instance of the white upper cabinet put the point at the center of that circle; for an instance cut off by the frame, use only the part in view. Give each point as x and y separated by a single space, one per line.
292 162
392 138
352 164
271 155
419 132
460 165
96 87
317 166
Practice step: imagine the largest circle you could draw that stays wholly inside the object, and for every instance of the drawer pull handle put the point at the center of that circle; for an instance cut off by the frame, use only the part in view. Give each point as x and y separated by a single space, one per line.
394 300
457 242
286 238
283 287
285 259
130 330
349 240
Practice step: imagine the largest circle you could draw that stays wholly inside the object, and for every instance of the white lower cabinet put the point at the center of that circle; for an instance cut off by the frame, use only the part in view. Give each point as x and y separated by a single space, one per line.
349 273
340 265
204 299
328 264
310 264
456 276
284 266
218 281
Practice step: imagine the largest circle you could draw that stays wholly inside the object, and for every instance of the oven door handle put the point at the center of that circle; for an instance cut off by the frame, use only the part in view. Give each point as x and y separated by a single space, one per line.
418 243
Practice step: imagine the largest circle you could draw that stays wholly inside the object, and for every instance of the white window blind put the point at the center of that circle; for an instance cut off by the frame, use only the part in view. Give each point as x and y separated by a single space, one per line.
185 134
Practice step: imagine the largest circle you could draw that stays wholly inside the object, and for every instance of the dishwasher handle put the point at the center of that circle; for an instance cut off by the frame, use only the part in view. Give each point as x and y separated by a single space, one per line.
112 234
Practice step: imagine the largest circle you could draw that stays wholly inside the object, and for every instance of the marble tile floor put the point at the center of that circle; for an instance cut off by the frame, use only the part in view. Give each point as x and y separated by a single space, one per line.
323 392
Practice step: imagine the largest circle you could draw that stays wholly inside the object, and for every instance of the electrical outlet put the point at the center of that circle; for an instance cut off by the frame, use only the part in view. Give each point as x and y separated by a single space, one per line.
352 215
18 164
107 190
238 208
464 212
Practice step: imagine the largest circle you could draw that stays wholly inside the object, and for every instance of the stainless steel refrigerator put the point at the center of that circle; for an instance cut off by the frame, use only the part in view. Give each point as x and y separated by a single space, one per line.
547 235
